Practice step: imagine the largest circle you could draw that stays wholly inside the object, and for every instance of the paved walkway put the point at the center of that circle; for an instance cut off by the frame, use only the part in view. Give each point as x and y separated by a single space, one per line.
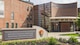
58 35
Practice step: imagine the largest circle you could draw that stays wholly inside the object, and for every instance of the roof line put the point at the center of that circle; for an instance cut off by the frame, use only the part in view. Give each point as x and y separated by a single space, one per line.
26 2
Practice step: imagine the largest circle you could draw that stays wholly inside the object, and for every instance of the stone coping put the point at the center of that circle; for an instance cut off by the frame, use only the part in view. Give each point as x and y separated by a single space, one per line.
17 29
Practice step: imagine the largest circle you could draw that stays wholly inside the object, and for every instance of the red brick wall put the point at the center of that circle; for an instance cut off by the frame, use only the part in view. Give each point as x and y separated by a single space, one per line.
20 13
1 23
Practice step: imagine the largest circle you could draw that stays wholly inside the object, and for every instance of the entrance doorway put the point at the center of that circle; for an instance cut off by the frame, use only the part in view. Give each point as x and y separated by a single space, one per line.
55 27
65 27
62 26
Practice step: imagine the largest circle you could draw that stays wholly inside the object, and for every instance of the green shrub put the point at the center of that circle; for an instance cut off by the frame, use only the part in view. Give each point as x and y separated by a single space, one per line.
52 41
73 40
45 41
33 42
24 42
60 39
64 40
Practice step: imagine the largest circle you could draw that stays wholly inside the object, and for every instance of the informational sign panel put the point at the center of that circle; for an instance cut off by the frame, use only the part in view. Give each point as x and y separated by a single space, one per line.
19 34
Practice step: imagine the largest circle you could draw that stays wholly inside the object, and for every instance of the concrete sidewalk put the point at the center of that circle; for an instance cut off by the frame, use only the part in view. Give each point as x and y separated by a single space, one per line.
58 35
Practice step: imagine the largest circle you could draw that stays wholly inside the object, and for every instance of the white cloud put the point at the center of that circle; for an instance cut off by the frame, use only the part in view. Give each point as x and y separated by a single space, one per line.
64 1
39 1
78 3
57 1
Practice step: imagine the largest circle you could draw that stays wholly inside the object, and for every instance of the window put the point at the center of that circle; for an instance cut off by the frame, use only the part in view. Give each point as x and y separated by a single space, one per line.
1 8
28 9
27 25
12 25
16 25
30 25
12 16
1 12
7 25
29 18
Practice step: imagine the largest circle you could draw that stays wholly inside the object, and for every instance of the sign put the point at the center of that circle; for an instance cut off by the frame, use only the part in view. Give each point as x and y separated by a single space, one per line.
19 34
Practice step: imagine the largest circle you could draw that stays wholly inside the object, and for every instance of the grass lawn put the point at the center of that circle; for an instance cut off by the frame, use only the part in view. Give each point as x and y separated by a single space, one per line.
72 35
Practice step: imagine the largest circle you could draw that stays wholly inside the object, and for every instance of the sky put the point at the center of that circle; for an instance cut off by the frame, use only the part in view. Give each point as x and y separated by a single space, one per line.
78 3
45 1
56 1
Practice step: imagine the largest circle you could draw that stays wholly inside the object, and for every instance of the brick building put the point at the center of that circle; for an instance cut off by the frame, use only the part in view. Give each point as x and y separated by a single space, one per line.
51 16
56 17
17 14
